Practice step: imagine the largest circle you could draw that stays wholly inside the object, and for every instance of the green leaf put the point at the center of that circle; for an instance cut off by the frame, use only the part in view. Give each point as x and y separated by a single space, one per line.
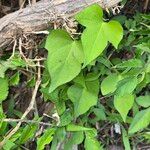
61 133
74 139
90 16
14 80
132 63
45 139
91 143
97 33
31 82
147 67
73 127
64 58
92 76
145 82
144 47
77 137
65 118
55 97
143 101
109 84
3 89
4 66
84 97
146 135
125 138
27 133
9 145
113 32
17 61
60 106
2 116
140 121
123 104
12 63
100 113
126 86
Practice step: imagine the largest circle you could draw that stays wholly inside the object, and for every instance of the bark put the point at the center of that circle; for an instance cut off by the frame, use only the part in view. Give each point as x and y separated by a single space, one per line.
39 16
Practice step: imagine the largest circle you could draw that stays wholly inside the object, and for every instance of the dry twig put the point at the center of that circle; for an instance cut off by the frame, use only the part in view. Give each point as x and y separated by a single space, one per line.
14 48
146 5
26 121
21 3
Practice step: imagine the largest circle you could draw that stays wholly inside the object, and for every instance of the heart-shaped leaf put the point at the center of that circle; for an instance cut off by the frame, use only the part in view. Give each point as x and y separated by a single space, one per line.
64 58
97 33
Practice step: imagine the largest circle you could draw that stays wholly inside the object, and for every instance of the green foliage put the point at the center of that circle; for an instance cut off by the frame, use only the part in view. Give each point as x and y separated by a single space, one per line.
97 33
127 86
3 89
91 80
75 139
27 133
4 65
45 139
109 84
81 95
133 63
64 58
140 121
143 101
65 118
91 142
73 127
14 80
123 104
125 138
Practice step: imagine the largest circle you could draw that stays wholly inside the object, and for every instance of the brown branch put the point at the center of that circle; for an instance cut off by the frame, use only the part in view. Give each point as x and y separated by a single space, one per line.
39 16
146 5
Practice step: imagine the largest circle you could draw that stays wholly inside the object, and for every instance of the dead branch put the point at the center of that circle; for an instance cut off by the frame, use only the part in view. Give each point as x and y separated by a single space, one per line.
39 16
